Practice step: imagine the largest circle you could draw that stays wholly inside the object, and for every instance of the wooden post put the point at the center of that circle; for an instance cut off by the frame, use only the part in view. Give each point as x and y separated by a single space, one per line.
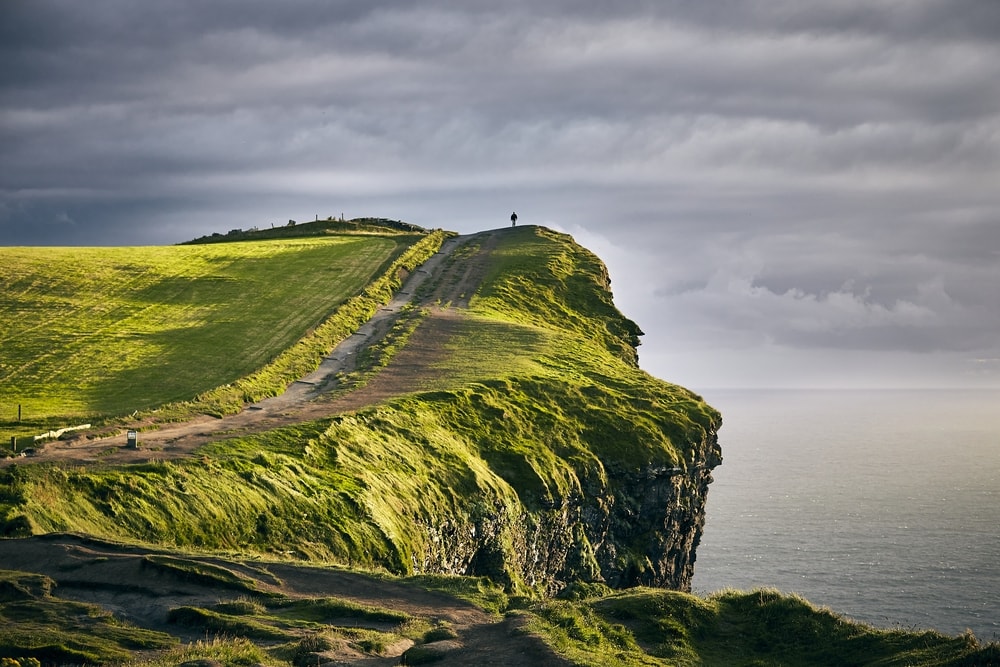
13 444
18 413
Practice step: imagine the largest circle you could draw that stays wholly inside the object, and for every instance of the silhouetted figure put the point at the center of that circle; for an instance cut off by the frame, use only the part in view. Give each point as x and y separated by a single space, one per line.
513 219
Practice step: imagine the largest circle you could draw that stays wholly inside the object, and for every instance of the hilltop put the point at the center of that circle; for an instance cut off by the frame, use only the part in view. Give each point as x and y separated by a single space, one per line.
446 432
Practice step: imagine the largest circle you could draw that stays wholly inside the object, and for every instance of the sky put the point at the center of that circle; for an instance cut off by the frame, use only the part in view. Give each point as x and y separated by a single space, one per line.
786 193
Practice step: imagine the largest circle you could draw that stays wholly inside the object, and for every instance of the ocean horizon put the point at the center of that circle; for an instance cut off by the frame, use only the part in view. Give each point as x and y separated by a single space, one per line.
881 505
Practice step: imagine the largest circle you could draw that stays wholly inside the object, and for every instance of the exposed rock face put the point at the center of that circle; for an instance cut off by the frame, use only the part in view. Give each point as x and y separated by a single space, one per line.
665 510
639 529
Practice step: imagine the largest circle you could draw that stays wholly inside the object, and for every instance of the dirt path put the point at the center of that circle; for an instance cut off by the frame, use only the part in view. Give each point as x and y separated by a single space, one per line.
444 284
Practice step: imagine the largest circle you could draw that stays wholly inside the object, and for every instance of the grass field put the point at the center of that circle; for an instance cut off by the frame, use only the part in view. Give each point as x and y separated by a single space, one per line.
99 331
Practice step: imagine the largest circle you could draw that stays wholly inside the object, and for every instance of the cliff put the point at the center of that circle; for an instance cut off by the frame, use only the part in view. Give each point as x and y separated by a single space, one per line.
566 511
499 426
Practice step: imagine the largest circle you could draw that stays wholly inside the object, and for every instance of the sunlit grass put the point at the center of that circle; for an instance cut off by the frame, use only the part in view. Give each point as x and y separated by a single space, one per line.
483 349
94 332
762 627
107 330
513 414
531 406
538 276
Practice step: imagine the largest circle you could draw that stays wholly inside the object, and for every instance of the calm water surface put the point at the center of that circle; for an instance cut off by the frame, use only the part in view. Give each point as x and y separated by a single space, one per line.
881 505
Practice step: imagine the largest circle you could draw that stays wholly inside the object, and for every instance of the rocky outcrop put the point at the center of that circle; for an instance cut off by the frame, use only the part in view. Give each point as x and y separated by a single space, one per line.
635 529
658 518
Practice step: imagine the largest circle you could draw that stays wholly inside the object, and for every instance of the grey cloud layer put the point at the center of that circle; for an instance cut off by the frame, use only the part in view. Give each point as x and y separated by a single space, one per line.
808 175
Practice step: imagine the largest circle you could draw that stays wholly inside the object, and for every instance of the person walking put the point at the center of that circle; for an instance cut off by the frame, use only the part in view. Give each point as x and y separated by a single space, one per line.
513 219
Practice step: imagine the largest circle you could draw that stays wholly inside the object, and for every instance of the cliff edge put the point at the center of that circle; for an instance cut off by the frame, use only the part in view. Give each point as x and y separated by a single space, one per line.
497 424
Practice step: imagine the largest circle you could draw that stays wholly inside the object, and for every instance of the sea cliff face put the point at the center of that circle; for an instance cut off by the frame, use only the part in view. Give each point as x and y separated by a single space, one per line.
664 515
633 528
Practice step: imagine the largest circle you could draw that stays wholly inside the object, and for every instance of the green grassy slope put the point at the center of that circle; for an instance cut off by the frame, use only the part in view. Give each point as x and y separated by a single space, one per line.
543 278
104 331
95 330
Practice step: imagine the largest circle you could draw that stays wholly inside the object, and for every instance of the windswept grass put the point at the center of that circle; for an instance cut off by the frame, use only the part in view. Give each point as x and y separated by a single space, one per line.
330 610
306 354
228 651
201 572
307 625
523 418
763 627
485 349
227 625
478 591
535 408
541 277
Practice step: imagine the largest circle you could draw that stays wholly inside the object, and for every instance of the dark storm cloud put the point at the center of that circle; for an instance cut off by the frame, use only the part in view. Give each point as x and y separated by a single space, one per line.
769 176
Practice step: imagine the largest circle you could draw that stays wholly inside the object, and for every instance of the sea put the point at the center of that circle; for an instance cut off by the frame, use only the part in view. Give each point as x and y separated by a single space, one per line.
881 505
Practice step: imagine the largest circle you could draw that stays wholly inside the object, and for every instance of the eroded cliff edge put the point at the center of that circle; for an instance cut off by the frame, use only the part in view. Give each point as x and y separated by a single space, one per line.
632 529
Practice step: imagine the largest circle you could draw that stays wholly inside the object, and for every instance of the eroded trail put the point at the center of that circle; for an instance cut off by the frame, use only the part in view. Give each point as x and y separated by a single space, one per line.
443 285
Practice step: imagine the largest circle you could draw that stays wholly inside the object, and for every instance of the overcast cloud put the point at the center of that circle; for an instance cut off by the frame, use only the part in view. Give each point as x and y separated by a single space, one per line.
787 193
